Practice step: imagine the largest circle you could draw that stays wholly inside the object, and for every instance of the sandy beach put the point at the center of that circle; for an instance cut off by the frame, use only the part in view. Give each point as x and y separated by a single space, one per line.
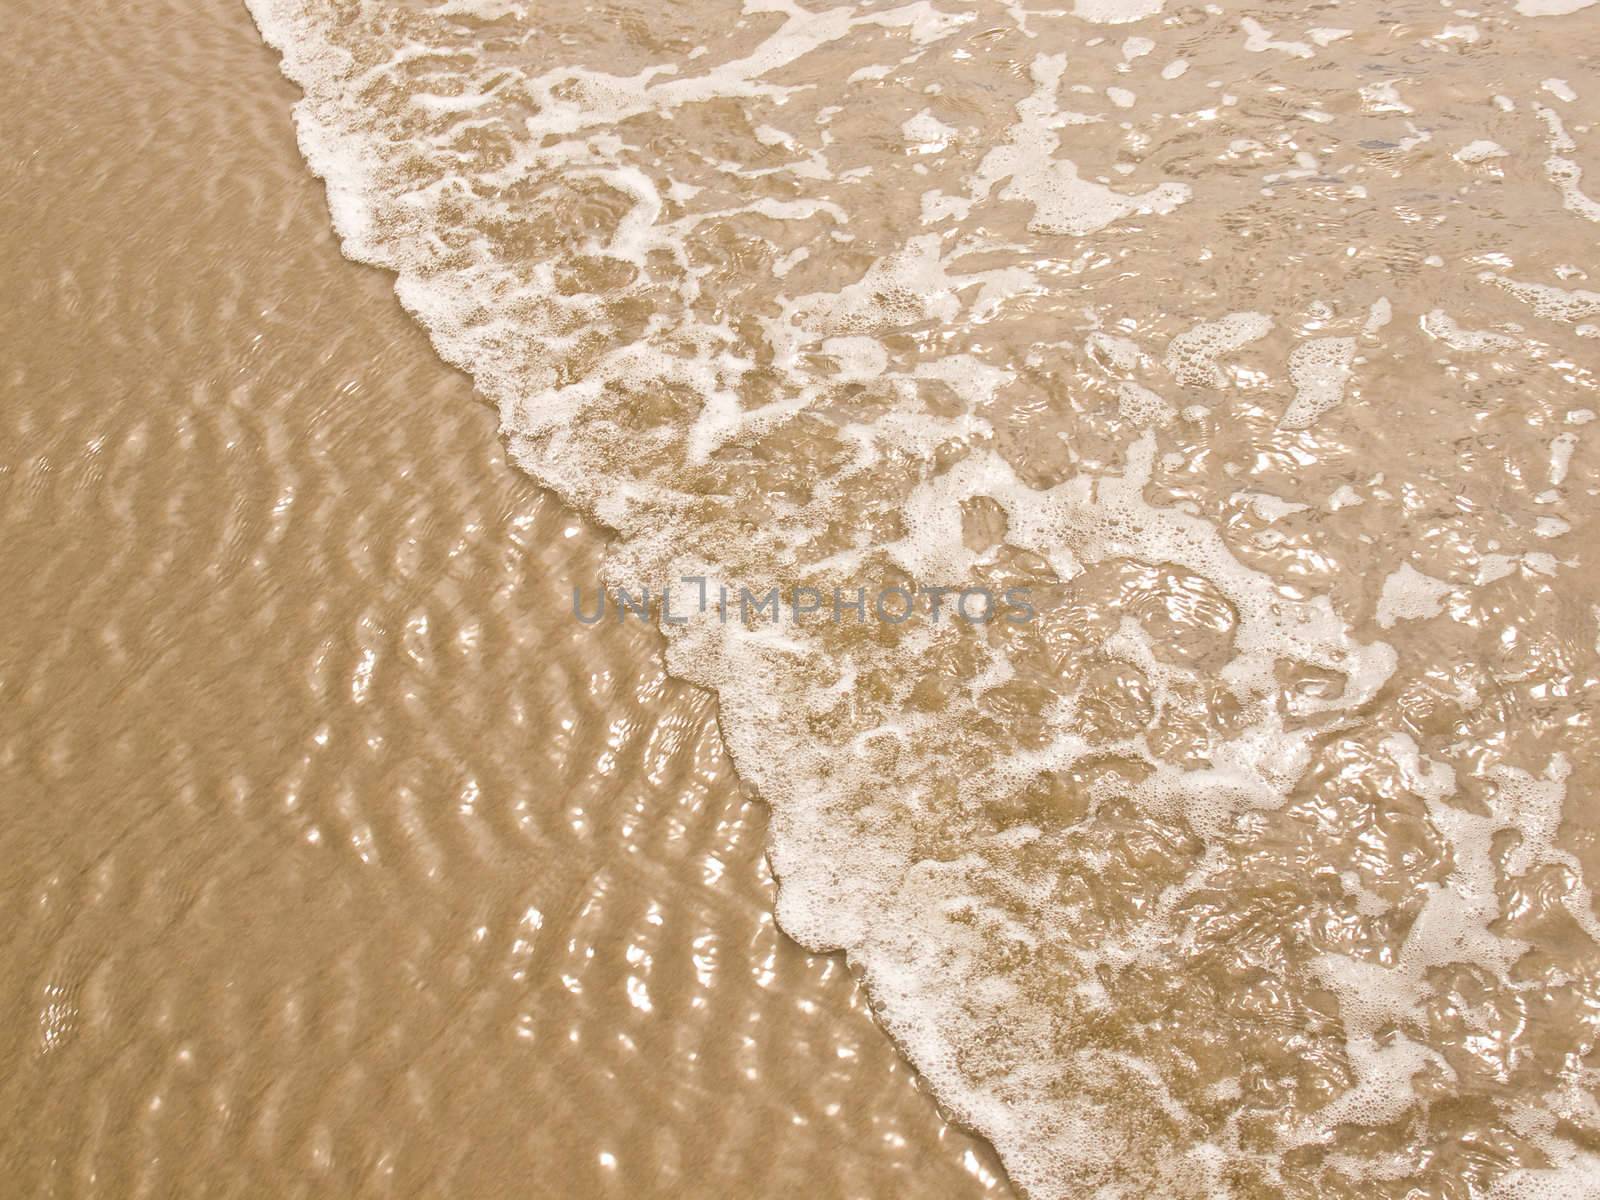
1110 496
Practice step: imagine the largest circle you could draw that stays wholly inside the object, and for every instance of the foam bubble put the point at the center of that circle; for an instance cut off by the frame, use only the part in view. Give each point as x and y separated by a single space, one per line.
1119 12
1192 356
1439 324
1548 301
1409 595
1319 370
1479 151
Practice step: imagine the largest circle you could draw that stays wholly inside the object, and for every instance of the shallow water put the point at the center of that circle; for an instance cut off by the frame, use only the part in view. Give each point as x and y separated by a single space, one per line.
336 859
1256 347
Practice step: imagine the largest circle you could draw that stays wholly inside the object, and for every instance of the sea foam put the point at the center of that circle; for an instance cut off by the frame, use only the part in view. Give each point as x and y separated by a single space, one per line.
1168 891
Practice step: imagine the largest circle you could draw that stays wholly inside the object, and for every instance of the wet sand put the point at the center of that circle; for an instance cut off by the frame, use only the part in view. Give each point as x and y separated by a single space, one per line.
1257 347
337 861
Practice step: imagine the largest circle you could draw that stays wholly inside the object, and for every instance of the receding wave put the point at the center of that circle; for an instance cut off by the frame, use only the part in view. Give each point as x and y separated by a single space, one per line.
1254 348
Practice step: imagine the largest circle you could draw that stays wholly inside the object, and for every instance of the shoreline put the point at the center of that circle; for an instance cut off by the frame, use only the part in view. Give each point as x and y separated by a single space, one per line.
290 802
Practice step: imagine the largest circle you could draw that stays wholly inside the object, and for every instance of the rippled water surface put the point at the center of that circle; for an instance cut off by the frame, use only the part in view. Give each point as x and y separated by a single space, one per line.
1255 344
334 860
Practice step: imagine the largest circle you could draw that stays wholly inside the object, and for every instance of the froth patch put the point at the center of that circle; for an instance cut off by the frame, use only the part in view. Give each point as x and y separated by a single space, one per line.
1192 356
1551 8
1442 326
1115 12
1547 300
1319 370
1409 595
1063 202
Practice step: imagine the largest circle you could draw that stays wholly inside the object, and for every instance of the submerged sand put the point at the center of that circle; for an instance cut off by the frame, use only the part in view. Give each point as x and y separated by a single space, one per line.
337 859
1260 349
